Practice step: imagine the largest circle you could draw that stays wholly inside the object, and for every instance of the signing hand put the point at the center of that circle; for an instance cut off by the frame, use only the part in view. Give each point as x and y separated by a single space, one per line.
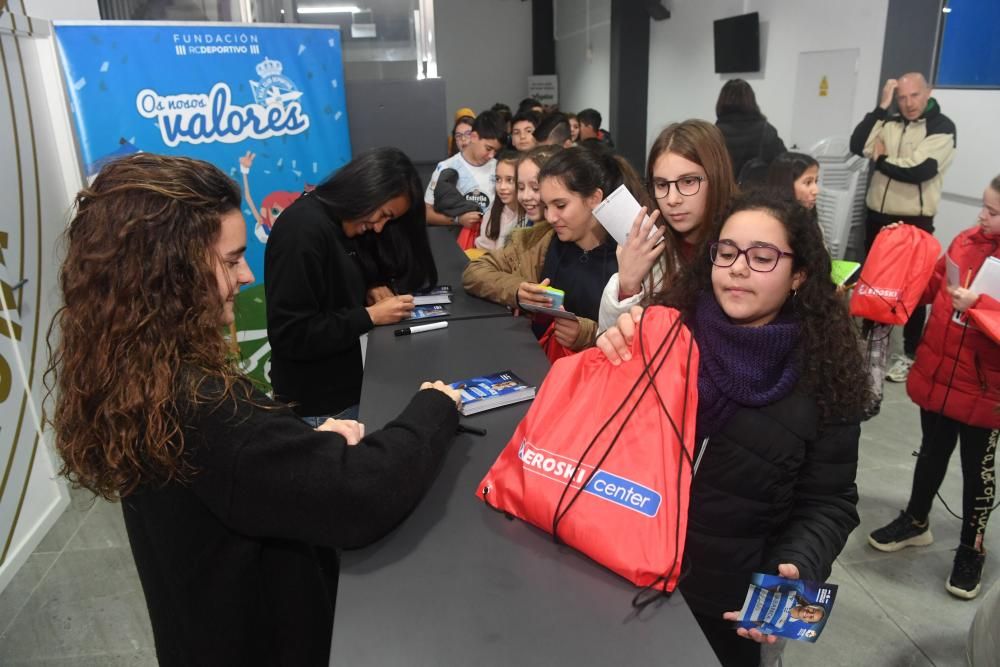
962 298
352 431
533 294
616 342
380 293
640 252
453 394
786 570
391 310
888 93
566 331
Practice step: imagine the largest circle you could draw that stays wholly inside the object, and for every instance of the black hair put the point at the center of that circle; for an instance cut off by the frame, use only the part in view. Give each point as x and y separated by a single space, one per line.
737 96
401 255
528 115
553 128
528 103
496 210
490 125
503 110
833 371
583 170
786 168
591 117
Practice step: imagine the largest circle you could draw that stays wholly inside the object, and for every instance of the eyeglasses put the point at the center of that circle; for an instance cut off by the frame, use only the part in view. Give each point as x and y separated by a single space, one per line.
760 258
686 185
463 135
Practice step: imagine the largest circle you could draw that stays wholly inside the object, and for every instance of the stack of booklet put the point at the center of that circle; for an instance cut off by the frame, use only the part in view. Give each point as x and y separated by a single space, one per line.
430 303
492 391
434 296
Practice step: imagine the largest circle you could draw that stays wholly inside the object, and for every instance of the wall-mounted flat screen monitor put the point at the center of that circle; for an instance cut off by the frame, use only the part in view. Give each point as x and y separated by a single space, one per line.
737 44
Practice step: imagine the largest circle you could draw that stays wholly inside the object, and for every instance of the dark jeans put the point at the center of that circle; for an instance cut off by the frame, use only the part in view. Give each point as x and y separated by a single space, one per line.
978 451
914 327
731 649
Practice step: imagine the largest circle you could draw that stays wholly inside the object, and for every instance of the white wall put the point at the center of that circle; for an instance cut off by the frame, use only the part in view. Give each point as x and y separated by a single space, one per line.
47 150
977 158
483 52
682 80
77 10
583 56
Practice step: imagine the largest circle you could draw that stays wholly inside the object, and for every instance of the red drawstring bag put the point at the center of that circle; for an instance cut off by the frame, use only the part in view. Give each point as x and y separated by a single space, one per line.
553 349
467 237
603 459
895 274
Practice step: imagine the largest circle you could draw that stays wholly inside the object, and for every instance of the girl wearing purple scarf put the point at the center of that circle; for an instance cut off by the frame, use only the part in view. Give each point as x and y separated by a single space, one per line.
781 387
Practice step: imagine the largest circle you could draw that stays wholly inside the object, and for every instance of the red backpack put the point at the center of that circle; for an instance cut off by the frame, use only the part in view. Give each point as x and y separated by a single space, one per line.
895 274
603 459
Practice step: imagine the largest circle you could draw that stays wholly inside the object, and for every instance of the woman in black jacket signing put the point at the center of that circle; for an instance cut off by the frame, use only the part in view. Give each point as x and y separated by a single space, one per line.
342 259
778 412
226 494
748 134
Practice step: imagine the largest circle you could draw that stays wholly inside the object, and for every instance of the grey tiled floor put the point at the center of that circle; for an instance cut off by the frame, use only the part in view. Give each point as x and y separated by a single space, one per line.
78 601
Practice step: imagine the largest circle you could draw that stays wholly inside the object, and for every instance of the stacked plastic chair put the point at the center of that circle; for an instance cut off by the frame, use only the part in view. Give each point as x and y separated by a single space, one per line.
843 180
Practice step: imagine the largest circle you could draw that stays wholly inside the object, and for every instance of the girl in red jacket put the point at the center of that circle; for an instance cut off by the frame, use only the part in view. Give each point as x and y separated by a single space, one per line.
956 382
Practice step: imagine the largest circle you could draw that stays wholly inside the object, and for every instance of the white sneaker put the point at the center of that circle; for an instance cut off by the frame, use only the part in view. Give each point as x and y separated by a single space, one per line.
899 369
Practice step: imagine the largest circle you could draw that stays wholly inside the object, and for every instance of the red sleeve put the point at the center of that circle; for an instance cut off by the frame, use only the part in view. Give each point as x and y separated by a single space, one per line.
935 282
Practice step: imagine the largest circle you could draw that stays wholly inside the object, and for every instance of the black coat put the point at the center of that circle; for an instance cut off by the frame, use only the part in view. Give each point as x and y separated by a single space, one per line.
749 136
315 297
772 487
229 562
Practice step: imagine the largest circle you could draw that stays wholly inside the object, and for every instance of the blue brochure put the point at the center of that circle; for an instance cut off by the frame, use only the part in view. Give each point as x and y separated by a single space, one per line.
789 608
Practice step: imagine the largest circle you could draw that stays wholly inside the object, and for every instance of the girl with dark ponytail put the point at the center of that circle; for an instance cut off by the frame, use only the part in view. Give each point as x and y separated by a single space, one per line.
569 250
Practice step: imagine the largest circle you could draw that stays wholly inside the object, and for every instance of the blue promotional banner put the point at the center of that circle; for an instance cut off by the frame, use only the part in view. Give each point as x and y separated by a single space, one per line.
263 103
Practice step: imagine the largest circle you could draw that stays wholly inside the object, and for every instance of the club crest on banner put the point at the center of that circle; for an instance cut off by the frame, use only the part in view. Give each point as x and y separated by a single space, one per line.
274 88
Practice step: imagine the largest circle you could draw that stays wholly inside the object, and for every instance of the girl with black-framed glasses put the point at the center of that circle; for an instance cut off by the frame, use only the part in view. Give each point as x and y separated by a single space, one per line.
689 176
781 390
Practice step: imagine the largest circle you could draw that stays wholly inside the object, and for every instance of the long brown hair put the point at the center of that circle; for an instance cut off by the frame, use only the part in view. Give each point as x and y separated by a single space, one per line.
702 143
139 333
496 210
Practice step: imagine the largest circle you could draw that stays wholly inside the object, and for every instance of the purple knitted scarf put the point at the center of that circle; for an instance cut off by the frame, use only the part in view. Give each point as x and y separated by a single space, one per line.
740 366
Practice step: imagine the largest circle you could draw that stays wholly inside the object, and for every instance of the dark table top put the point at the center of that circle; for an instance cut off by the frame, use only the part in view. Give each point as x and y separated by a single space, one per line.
459 584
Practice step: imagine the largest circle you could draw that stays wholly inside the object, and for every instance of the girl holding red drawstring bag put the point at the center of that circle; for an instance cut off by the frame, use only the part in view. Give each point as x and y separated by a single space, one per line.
955 380
569 250
781 389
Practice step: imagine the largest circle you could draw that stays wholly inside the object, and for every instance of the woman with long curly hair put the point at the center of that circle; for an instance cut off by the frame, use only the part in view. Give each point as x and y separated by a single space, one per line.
780 395
226 494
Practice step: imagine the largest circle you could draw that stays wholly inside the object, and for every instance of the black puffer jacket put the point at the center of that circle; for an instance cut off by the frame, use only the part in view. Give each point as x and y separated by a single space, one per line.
749 136
771 488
